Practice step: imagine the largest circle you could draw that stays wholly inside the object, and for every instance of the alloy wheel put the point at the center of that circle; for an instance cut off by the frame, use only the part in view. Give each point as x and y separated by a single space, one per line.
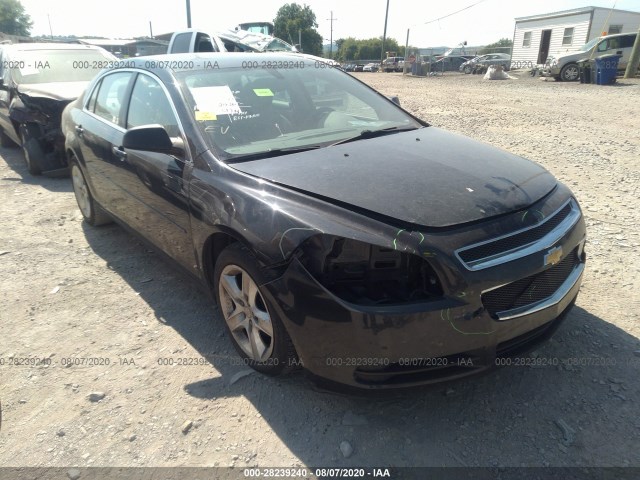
246 313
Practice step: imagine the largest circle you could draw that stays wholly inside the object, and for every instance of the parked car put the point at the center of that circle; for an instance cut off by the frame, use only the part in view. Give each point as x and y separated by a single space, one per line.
393 64
565 67
318 249
37 80
371 67
193 40
450 63
358 68
481 63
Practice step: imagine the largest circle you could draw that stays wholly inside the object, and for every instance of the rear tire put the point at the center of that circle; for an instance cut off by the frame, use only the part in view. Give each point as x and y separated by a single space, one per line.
256 331
91 211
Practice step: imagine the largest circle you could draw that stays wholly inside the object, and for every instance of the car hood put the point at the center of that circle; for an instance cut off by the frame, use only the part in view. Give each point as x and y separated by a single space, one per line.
55 91
427 177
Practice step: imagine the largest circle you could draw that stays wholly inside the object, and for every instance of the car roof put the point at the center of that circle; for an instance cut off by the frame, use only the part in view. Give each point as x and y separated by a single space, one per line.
618 34
49 46
178 62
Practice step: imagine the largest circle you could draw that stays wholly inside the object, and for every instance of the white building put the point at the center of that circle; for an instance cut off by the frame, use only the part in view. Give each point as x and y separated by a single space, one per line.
537 36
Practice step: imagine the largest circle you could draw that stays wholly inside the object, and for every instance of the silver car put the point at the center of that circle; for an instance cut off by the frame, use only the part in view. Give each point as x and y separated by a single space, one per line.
486 61
565 67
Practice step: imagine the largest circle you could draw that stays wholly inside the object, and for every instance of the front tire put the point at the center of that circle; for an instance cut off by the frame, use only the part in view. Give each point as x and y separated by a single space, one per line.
256 331
570 73
91 211
32 150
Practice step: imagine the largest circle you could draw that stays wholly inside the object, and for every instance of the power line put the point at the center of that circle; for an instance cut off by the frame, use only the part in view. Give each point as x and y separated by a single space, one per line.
454 13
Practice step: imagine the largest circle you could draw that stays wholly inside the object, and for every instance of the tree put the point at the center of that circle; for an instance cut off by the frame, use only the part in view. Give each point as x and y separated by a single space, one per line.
13 19
292 18
367 49
500 46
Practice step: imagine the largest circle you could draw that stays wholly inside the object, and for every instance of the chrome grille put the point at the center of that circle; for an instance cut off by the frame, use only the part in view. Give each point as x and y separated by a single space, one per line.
522 242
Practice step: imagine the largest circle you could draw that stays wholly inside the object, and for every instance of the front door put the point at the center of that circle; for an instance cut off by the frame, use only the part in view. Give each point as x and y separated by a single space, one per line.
545 41
157 198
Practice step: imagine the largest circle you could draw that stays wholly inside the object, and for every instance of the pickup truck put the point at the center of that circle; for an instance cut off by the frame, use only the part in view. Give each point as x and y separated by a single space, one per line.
193 40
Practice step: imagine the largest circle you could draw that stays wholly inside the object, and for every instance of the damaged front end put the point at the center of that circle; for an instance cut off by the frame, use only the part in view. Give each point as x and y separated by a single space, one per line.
365 274
37 118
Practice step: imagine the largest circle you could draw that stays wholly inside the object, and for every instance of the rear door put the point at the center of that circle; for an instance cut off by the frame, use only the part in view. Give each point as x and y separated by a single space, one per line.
100 129
626 44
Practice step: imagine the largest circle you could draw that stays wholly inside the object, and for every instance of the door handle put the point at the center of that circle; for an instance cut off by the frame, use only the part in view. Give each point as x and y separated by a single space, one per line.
79 129
119 153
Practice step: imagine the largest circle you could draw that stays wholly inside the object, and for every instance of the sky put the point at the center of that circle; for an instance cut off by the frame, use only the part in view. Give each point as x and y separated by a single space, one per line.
481 24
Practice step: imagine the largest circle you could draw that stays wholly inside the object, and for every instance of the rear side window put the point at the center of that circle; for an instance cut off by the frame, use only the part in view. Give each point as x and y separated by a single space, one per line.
110 98
627 41
181 43
91 103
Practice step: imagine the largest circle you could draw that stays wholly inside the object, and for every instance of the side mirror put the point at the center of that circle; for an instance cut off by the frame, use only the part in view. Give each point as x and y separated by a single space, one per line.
148 138
395 99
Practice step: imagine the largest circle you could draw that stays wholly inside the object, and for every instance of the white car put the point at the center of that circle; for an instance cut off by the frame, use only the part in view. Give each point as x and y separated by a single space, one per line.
371 67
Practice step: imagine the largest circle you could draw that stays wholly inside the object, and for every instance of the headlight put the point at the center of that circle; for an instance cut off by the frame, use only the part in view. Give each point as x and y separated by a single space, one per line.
366 274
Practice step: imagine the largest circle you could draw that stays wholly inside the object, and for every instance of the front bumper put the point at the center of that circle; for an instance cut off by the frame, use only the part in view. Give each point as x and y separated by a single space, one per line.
390 346
551 71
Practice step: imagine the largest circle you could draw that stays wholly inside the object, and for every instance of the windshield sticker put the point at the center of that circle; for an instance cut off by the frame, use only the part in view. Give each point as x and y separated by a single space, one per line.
203 116
263 92
217 100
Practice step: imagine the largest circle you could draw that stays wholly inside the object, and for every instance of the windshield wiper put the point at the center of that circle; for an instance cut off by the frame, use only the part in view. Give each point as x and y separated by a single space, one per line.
276 152
364 134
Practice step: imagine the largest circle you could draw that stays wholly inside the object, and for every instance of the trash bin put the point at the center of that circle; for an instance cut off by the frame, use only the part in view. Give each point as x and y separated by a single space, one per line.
584 67
606 69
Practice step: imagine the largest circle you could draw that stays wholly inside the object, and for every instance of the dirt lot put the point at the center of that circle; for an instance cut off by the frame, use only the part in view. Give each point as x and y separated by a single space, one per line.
72 291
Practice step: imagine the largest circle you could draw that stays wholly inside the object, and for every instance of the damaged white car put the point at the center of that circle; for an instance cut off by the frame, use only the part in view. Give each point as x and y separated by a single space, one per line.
37 80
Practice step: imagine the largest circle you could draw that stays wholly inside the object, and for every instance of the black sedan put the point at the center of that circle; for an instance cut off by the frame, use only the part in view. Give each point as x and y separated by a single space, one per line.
335 230
37 80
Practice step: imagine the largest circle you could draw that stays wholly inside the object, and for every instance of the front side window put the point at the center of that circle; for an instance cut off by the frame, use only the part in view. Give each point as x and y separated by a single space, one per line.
567 38
526 41
149 105
110 98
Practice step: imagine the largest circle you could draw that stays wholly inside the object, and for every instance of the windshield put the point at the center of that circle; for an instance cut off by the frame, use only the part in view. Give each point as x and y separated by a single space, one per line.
51 66
244 112
588 46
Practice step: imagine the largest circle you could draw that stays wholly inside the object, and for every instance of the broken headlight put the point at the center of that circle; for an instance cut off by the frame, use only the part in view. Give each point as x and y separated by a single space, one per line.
366 274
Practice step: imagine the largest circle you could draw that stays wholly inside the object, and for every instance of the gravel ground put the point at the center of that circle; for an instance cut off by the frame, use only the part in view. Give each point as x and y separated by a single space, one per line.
70 290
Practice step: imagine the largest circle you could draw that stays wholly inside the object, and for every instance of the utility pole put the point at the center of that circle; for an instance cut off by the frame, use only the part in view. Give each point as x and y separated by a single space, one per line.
634 60
331 36
406 53
384 36
188 13
150 30
50 30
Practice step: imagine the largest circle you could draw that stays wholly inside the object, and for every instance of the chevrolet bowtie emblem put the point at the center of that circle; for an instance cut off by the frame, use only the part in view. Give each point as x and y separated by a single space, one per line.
553 256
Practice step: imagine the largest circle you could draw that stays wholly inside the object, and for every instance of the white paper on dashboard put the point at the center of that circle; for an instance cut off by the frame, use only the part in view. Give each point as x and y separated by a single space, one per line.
218 100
